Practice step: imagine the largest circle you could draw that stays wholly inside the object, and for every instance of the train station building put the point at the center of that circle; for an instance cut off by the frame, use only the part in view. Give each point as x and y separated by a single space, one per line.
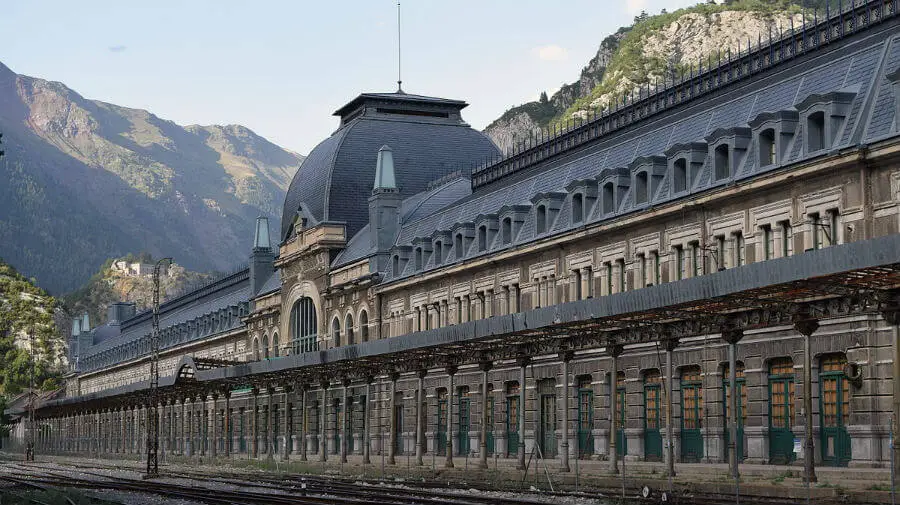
712 263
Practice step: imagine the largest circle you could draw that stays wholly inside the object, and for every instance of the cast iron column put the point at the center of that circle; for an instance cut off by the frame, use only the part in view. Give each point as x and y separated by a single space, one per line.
392 438
485 368
226 423
214 422
565 357
420 418
271 436
286 428
615 351
523 363
254 424
732 337
346 420
323 414
302 388
451 371
670 345
806 326
366 421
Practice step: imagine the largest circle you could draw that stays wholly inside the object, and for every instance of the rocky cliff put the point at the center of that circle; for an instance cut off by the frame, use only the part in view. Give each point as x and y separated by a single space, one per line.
84 180
652 50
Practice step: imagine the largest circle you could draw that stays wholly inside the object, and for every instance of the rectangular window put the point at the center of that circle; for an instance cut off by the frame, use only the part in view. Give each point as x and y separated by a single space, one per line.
786 236
695 259
768 241
642 263
609 277
832 227
589 281
679 262
720 252
576 280
656 274
620 265
738 240
816 224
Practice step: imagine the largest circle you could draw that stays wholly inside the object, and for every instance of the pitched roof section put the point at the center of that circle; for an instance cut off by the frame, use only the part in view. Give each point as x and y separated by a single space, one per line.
854 69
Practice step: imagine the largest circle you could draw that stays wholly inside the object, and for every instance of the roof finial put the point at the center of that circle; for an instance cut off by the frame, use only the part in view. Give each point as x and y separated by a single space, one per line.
384 171
399 60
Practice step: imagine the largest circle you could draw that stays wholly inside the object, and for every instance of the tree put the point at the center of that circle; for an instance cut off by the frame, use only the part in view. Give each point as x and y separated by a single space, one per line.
544 98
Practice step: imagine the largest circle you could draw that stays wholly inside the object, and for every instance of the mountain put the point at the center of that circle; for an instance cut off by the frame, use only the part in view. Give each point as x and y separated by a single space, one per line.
27 315
84 180
653 50
128 279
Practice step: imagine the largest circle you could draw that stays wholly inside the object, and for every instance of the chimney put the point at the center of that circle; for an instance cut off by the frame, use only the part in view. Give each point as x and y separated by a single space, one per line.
262 260
384 208
119 312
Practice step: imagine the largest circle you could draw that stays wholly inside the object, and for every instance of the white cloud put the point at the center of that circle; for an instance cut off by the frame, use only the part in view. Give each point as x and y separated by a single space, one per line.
634 7
551 53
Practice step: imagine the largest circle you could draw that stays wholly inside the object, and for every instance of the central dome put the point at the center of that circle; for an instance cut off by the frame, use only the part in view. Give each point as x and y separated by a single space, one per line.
429 140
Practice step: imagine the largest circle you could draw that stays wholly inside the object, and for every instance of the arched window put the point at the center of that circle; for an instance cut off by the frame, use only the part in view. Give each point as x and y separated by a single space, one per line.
722 162
482 238
418 258
816 137
608 198
265 346
541 219
577 208
275 344
767 154
640 188
348 328
680 175
396 264
304 326
506 229
336 332
364 326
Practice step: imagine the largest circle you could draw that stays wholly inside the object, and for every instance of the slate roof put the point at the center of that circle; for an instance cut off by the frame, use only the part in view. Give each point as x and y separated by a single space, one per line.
335 181
857 67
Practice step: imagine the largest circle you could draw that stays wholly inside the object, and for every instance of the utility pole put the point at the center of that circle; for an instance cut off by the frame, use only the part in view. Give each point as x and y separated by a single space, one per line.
153 396
29 444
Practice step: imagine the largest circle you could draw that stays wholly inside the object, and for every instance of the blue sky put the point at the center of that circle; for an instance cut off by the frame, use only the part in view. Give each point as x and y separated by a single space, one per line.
282 68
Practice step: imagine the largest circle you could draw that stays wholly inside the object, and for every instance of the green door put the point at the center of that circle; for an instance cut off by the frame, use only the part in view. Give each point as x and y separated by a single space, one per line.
835 407
349 421
512 424
336 426
547 428
653 450
440 430
691 416
490 426
585 420
621 441
242 442
781 412
741 409
462 436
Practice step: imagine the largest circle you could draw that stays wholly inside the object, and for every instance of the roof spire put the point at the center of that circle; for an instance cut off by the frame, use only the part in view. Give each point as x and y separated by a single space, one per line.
384 171
399 60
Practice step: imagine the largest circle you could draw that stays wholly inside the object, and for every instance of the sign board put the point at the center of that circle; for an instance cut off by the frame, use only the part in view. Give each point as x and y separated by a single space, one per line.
798 447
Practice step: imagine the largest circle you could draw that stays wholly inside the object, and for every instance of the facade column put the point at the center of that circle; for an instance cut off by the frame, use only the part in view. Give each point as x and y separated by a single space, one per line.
226 421
97 434
323 422
420 418
254 424
302 389
670 345
806 326
286 430
451 371
485 367
214 426
202 423
366 421
523 363
732 337
565 357
271 436
345 422
392 450
615 351
192 445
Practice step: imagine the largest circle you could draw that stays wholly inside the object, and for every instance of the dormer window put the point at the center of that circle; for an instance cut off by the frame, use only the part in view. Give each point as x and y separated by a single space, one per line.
640 188
506 230
680 175
419 258
395 263
823 117
541 219
815 136
482 238
767 154
458 245
608 198
577 208
438 252
722 162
